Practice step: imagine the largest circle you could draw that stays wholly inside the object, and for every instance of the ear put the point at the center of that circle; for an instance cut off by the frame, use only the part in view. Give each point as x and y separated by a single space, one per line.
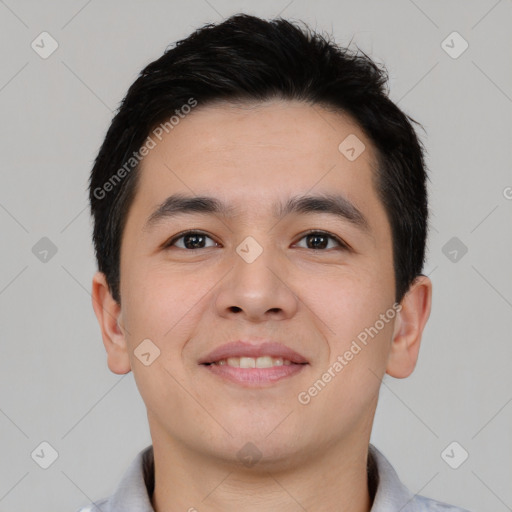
409 324
108 313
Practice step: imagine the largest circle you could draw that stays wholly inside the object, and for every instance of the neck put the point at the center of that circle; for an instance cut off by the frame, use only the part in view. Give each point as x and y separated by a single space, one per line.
332 480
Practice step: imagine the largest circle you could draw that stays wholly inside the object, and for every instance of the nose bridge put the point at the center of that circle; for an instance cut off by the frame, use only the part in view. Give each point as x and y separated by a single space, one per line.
254 286
254 261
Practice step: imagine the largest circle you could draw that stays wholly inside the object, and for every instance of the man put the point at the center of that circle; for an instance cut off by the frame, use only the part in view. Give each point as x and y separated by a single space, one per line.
260 220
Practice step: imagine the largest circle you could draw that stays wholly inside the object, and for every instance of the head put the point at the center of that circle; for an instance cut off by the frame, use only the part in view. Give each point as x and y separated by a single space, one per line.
264 134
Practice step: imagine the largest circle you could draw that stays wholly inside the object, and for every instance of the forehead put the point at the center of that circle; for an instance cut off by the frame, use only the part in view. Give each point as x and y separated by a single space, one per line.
276 127
257 154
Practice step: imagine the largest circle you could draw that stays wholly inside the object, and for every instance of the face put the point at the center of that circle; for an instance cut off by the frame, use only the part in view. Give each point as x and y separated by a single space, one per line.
288 290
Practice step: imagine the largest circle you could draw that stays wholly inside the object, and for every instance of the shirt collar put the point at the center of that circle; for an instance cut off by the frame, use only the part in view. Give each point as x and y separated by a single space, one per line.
133 494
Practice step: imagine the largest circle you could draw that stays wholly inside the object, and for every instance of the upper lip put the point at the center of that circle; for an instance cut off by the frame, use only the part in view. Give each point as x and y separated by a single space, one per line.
247 349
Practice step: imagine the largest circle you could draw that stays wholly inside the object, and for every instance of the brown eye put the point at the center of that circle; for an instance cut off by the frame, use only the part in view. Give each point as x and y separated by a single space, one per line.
320 240
190 240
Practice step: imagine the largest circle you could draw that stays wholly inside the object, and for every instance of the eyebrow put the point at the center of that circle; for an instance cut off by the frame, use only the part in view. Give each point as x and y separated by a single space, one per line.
332 204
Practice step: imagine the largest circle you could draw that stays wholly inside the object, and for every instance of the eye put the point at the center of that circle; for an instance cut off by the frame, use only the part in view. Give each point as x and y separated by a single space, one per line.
191 240
320 240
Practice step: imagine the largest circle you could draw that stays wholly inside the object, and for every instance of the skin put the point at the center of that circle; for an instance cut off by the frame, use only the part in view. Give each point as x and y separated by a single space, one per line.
190 301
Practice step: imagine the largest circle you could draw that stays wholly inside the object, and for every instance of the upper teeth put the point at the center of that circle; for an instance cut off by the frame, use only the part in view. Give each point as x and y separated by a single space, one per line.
254 362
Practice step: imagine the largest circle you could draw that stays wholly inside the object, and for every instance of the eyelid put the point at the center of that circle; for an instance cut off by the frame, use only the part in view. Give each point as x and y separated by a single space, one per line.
168 243
341 243
328 234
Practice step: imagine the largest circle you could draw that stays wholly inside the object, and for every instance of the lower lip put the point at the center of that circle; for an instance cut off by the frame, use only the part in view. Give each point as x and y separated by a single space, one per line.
255 377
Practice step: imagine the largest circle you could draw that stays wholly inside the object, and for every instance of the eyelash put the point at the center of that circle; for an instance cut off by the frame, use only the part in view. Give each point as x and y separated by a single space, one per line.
342 245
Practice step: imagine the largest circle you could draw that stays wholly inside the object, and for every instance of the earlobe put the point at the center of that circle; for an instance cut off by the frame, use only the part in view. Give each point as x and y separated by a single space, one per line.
109 315
409 324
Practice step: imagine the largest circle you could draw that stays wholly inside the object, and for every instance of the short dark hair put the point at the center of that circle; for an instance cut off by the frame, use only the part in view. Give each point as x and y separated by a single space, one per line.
246 58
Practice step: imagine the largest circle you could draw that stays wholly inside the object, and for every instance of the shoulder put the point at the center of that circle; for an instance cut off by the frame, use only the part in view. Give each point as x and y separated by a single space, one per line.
391 493
133 492
102 505
423 504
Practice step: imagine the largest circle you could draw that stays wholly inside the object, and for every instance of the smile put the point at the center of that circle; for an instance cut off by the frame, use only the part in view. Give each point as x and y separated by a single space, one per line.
253 376
254 362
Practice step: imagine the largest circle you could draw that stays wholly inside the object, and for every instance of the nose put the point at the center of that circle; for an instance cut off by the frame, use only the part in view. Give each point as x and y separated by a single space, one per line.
257 290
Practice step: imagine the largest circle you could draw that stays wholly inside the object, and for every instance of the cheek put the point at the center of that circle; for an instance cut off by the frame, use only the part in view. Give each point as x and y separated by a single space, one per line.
359 313
160 301
160 307
348 384
164 306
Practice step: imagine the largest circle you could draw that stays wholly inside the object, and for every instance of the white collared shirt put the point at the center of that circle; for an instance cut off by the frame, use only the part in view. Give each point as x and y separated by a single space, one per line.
133 494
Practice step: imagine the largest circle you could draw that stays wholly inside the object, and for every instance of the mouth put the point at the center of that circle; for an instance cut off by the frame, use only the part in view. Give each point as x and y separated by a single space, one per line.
254 362
252 365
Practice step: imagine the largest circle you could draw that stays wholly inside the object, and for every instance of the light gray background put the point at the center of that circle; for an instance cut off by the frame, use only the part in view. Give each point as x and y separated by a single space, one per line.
55 385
